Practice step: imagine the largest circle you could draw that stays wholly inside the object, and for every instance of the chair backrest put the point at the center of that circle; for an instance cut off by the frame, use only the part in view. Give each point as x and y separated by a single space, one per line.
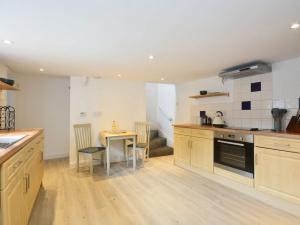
83 137
143 132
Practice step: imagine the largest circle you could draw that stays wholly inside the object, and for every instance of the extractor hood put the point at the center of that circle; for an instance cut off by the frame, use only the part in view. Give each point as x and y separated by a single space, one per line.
247 69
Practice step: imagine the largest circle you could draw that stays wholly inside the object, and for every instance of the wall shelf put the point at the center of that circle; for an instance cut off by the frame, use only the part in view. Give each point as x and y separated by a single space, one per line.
4 86
211 94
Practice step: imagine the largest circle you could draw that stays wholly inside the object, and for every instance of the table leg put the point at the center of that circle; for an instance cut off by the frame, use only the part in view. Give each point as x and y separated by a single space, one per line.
134 153
107 156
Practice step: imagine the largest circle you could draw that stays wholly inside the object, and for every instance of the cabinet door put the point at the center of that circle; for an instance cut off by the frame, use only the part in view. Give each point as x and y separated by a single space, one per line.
277 173
13 205
32 176
182 152
202 153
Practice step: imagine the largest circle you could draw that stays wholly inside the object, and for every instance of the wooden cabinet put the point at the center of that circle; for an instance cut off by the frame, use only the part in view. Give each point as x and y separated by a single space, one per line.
193 149
202 153
182 152
21 178
277 173
13 204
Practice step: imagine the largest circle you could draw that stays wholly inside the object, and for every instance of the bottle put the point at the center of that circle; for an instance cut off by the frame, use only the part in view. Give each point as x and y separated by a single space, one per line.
114 126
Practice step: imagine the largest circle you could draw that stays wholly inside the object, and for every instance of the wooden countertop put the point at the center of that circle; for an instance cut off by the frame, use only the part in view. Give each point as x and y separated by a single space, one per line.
282 134
6 153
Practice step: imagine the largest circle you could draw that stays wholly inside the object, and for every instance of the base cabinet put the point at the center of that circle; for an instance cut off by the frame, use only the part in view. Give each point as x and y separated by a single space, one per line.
21 178
193 152
277 172
13 204
182 152
202 153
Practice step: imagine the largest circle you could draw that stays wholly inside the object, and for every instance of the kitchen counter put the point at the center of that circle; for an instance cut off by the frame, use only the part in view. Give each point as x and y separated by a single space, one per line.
6 153
282 134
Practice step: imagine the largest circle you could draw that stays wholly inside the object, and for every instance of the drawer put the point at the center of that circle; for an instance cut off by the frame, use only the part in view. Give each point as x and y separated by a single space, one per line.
284 144
202 133
11 167
181 130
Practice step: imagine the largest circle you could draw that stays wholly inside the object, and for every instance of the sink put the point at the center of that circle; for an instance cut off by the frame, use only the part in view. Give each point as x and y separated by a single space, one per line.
6 141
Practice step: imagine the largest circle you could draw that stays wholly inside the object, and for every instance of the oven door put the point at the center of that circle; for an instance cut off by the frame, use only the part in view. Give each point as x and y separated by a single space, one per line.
234 154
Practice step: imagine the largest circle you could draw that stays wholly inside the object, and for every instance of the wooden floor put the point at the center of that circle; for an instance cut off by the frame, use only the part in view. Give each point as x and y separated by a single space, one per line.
159 193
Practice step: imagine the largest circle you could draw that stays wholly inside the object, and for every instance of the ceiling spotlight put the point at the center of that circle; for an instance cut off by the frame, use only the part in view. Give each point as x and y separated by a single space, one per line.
151 57
7 42
295 26
119 75
42 69
162 79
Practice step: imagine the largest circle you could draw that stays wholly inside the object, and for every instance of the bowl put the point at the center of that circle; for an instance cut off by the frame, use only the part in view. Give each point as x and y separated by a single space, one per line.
203 92
7 81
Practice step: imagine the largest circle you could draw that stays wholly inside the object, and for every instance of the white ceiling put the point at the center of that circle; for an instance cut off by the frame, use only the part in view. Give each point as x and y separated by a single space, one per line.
190 39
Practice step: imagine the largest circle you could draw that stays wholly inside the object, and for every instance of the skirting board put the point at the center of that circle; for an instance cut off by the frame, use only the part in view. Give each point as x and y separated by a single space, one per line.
56 156
276 202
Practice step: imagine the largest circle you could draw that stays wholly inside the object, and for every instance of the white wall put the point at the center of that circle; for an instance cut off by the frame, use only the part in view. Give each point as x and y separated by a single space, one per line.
3 94
103 101
152 103
279 89
166 111
43 102
161 101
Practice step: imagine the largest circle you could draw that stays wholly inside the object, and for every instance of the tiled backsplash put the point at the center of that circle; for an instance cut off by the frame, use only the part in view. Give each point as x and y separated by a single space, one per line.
252 104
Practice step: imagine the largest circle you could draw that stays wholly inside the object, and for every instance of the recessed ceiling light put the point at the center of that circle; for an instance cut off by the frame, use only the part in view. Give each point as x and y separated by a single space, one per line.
295 26
7 42
162 79
42 69
119 75
151 57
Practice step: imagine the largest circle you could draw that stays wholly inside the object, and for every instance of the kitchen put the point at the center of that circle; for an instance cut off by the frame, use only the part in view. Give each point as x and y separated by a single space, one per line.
157 120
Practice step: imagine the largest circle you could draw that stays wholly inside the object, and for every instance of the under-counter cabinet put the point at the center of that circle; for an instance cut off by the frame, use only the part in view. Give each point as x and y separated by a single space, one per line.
193 149
21 178
277 167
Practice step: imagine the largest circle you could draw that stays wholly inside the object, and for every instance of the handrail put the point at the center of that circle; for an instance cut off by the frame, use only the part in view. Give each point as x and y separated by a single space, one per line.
165 114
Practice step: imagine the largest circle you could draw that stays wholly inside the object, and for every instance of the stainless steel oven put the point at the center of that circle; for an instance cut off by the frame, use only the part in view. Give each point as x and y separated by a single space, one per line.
234 152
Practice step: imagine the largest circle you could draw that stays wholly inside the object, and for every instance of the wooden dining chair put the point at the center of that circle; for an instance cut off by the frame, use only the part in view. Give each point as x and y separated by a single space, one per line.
142 143
83 139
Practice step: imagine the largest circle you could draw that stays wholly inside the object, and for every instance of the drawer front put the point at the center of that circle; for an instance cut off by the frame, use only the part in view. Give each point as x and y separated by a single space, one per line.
284 144
181 130
202 133
10 168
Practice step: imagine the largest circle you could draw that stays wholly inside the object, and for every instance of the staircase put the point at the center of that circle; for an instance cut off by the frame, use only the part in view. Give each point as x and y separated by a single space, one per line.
158 145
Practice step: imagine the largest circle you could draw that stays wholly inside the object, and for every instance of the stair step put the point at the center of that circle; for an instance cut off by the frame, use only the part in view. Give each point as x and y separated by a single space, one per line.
153 134
158 142
162 151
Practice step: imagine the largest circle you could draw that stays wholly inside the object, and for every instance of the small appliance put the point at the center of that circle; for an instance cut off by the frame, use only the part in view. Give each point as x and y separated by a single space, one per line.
218 120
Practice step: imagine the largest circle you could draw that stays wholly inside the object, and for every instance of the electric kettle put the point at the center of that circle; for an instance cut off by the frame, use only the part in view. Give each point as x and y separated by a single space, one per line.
218 120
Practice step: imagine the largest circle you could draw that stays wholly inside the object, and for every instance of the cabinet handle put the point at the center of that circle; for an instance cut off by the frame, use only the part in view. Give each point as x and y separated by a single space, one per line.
191 144
28 181
25 179
256 159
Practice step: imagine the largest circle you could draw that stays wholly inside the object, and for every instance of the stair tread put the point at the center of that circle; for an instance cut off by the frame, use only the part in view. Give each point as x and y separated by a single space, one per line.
161 151
158 142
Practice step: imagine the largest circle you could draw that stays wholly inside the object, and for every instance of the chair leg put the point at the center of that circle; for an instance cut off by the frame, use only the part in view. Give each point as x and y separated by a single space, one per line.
91 165
126 154
104 158
144 155
77 162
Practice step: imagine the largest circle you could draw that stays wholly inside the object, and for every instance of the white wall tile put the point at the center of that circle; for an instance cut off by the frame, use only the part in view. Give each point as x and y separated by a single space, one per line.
255 95
278 103
266 104
267 124
291 103
266 114
266 95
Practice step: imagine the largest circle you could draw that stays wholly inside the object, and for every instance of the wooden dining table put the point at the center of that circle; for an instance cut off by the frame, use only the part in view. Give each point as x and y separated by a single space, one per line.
107 136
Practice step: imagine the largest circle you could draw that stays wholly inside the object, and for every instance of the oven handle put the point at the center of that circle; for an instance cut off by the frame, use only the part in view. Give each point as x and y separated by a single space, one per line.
230 143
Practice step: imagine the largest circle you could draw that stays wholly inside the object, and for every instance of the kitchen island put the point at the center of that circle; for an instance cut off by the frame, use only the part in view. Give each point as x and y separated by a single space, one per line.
21 171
